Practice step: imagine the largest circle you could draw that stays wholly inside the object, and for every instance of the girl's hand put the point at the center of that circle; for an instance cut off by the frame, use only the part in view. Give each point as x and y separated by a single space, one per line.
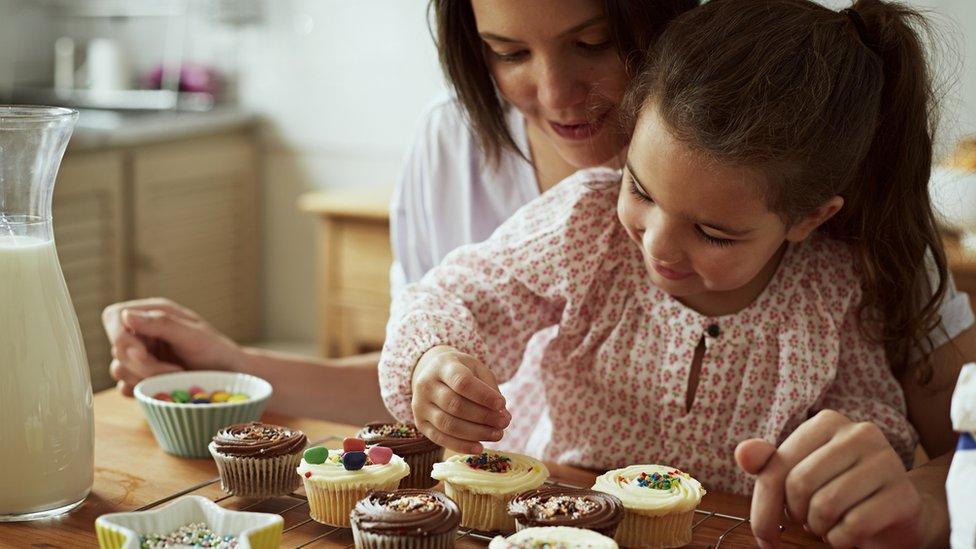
157 336
456 402
842 479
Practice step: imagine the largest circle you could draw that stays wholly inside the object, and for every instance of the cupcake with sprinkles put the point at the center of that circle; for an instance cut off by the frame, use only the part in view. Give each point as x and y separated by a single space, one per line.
405 519
659 504
257 459
406 441
561 506
554 537
483 484
336 479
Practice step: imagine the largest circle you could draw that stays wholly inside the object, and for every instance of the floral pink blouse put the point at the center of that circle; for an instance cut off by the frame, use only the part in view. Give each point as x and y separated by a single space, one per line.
560 295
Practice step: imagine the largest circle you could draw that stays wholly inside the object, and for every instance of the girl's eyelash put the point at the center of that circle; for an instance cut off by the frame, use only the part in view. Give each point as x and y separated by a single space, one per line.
638 194
704 236
712 240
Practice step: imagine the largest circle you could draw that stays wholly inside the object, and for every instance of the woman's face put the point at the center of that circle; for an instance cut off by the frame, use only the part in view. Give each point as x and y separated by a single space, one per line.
554 61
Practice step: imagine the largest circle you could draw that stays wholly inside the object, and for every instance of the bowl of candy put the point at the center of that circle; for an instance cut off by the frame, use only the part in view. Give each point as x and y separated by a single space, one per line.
186 409
189 521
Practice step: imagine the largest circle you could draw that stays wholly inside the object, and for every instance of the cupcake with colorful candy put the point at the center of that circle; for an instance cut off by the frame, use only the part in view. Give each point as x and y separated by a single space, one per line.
563 506
483 484
405 519
659 504
406 441
554 537
257 459
336 479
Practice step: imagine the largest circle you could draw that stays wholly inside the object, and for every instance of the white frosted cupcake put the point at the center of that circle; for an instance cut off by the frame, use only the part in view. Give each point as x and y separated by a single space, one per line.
335 480
483 484
553 537
659 504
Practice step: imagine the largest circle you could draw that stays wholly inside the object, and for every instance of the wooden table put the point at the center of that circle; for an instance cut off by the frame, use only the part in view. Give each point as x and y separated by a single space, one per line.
132 471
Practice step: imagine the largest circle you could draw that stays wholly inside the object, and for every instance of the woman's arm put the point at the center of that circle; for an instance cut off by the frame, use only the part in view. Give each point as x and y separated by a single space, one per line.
928 410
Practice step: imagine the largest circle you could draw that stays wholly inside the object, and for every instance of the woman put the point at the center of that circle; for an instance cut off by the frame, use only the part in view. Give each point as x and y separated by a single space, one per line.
559 67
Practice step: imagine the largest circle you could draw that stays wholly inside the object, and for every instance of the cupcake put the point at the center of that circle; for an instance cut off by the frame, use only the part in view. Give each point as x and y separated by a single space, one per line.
256 459
482 485
406 441
557 506
336 479
403 519
554 537
659 504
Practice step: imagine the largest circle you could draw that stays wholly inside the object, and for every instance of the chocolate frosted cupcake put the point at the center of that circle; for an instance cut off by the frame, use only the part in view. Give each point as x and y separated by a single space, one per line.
406 441
405 519
258 460
555 506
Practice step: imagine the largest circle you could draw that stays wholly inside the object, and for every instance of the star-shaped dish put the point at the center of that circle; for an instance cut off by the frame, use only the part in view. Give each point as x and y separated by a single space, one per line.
253 530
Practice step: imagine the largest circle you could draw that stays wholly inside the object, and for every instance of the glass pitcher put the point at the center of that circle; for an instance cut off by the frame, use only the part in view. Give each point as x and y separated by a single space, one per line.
46 438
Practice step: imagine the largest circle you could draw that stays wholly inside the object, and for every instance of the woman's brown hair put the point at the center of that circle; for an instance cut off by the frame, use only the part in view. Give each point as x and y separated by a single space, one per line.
634 25
825 103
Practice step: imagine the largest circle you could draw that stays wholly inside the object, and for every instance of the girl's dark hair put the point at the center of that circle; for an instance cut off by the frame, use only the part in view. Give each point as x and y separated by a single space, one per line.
825 103
634 25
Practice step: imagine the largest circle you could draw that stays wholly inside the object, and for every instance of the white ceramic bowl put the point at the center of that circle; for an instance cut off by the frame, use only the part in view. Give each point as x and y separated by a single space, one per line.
186 429
253 530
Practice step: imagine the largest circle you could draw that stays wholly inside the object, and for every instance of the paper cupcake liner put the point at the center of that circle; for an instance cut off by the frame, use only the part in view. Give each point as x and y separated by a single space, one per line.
420 468
637 530
248 477
367 540
187 431
331 505
609 532
484 512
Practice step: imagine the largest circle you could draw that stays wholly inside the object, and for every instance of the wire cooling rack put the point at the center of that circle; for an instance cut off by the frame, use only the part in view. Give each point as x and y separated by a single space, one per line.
302 532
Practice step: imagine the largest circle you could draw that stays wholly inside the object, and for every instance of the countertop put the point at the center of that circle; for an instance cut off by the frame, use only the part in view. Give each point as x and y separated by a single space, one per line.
98 129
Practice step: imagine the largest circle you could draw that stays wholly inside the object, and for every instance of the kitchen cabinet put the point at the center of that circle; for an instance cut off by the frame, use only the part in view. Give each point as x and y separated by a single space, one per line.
176 219
354 259
89 231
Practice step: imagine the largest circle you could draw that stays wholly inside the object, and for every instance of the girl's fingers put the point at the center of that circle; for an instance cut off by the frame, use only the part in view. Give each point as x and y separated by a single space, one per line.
456 405
769 494
846 491
123 376
462 380
124 388
814 472
893 505
460 428
448 441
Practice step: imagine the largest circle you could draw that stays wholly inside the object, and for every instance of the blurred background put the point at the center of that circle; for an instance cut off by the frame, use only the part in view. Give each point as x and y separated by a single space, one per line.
237 156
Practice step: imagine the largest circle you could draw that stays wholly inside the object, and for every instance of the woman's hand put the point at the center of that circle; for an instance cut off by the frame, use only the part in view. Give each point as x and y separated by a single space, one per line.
842 479
456 402
157 336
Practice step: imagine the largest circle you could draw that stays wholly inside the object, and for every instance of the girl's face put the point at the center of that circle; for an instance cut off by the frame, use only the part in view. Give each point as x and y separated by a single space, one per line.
554 61
702 226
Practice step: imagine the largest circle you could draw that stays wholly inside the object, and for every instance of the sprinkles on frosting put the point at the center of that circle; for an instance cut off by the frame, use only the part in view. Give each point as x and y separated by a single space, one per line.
395 430
413 503
491 462
560 506
657 481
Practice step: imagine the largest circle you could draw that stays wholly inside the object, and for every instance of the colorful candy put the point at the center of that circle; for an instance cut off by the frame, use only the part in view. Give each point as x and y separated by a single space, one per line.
380 455
353 461
350 444
197 395
316 455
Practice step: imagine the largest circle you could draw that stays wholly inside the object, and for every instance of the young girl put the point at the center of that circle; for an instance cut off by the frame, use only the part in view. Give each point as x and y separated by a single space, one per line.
748 279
